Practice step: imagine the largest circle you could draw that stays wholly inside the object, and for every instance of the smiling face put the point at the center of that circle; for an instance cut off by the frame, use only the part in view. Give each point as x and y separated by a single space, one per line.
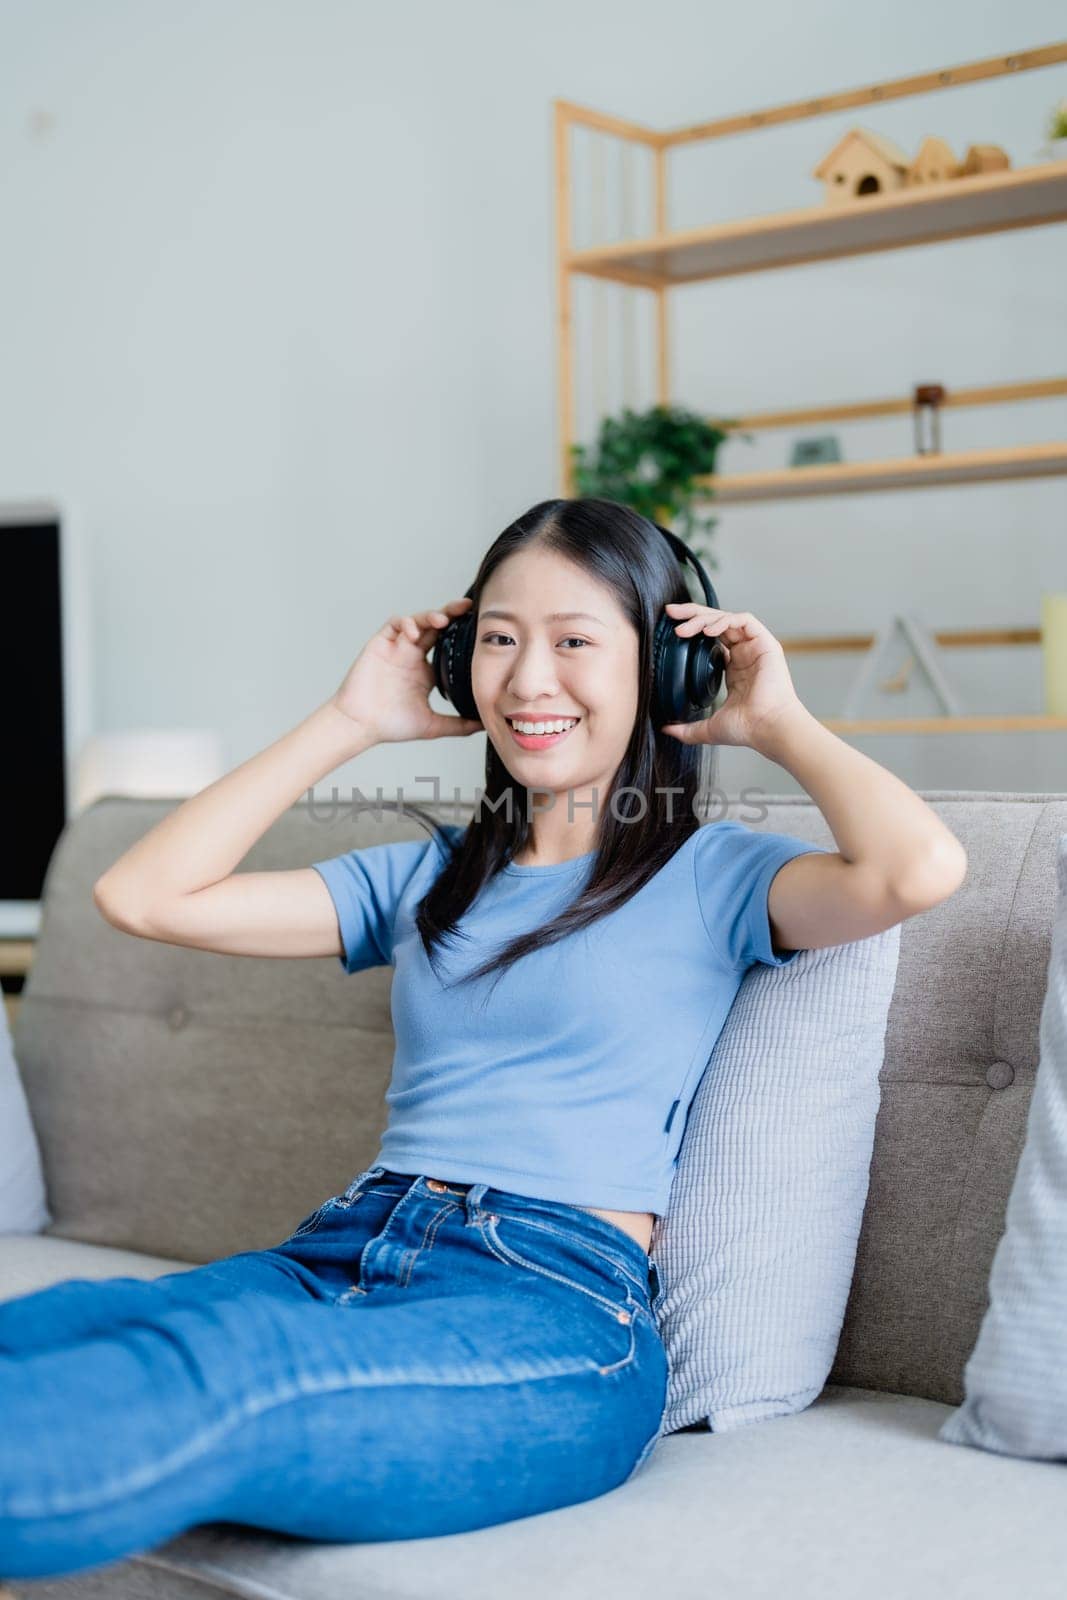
532 667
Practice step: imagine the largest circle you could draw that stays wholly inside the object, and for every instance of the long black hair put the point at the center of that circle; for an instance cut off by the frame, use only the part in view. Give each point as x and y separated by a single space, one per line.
652 805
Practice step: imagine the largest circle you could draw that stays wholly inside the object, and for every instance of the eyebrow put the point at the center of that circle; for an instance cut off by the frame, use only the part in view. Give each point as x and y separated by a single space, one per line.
553 616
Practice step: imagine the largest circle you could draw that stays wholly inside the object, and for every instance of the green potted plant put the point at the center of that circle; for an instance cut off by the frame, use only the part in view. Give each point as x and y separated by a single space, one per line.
648 460
1056 133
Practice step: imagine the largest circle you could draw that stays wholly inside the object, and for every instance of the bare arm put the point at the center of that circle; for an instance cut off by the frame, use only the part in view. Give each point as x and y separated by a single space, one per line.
878 822
896 857
178 883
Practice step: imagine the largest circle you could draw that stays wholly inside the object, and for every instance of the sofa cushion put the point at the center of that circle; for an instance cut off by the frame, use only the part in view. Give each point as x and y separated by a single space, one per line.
853 1496
757 1249
1015 1380
35 1261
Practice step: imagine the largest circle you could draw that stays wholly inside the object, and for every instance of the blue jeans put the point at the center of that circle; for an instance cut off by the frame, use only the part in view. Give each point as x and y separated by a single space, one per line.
417 1358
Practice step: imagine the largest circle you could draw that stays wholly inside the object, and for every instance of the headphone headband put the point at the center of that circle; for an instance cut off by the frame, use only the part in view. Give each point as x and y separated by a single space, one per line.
683 553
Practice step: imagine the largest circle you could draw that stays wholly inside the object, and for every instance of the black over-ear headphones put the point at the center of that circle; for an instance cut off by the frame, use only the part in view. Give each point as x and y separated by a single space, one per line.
686 672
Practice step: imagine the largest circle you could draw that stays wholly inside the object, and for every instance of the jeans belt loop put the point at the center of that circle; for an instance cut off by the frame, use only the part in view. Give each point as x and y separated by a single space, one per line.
356 1187
472 1202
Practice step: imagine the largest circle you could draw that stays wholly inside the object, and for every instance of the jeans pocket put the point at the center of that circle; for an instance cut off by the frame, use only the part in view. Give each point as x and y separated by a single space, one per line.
544 1253
311 1222
340 1202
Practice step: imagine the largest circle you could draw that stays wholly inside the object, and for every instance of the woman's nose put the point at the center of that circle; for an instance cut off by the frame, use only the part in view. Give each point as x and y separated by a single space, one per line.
532 677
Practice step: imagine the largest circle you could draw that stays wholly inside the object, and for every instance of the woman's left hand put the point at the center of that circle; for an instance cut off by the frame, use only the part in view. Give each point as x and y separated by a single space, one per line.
759 688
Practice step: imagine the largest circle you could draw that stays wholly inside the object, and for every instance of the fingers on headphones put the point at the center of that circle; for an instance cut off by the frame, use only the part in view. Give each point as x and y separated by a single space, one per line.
417 623
408 626
449 612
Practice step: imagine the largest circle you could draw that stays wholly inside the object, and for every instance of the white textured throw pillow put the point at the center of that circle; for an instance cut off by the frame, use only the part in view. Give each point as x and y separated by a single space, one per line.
756 1252
22 1192
1015 1382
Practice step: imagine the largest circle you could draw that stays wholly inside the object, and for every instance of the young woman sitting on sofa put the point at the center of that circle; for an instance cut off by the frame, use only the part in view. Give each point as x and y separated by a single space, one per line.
465 1334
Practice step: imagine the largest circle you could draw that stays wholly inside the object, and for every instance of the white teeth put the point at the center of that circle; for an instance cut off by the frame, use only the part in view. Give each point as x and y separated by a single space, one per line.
557 726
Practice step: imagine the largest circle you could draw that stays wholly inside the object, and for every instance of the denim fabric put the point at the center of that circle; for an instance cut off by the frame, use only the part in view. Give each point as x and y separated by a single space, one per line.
415 1359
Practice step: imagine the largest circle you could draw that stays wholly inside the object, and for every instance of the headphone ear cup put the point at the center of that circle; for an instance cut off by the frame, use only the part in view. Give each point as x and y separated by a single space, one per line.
708 669
686 674
451 660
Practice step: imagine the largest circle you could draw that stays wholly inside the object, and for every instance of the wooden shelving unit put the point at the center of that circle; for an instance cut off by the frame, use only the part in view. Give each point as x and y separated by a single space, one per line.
989 202
909 472
1034 724
946 639
959 208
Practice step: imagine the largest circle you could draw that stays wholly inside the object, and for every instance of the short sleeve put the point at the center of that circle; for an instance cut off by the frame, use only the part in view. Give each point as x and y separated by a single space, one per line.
366 887
735 866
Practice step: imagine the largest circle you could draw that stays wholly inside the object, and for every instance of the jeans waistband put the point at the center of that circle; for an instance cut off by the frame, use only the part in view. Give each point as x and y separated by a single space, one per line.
602 1236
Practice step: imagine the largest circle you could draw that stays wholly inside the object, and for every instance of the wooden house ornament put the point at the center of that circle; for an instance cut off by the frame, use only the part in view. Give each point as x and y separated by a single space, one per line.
935 163
861 163
984 158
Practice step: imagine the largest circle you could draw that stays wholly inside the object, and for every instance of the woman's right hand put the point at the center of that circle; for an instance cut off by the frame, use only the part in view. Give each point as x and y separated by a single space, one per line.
386 690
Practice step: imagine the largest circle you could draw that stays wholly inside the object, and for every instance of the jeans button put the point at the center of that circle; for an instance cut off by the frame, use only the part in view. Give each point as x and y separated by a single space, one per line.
623 1316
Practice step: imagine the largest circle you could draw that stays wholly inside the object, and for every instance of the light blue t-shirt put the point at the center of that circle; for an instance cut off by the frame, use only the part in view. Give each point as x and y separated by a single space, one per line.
572 1080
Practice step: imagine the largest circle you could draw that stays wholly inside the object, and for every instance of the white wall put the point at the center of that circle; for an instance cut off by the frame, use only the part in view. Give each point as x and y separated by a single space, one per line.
277 313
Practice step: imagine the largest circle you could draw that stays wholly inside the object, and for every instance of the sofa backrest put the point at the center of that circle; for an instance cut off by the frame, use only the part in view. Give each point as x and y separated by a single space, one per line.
191 1105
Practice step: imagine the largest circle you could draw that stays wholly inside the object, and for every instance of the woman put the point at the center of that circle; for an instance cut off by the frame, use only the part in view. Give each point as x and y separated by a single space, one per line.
466 1334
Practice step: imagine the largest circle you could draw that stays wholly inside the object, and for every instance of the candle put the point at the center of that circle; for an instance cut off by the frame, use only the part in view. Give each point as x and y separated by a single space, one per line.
1054 652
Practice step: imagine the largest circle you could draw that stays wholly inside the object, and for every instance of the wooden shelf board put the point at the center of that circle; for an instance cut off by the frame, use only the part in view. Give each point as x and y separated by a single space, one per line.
909 472
990 394
1019 724
987 202
945 639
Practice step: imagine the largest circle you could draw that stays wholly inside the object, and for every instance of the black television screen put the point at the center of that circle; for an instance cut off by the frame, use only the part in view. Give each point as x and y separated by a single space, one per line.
34 805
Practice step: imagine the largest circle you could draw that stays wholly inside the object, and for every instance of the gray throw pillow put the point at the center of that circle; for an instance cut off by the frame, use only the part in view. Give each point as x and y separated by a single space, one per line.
22 1193
756 1252
1015 1382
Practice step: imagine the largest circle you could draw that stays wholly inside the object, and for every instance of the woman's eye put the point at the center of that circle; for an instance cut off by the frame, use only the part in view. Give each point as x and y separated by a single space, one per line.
491 637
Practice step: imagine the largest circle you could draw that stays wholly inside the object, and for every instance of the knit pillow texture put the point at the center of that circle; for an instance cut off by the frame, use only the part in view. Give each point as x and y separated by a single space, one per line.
756 1252
1015 1380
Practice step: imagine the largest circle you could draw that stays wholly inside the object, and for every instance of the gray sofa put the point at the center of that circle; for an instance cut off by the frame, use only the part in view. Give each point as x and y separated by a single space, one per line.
192 1105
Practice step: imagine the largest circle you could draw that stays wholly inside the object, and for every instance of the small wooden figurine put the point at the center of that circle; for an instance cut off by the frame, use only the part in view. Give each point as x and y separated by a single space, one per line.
984 158
935 163
861 163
